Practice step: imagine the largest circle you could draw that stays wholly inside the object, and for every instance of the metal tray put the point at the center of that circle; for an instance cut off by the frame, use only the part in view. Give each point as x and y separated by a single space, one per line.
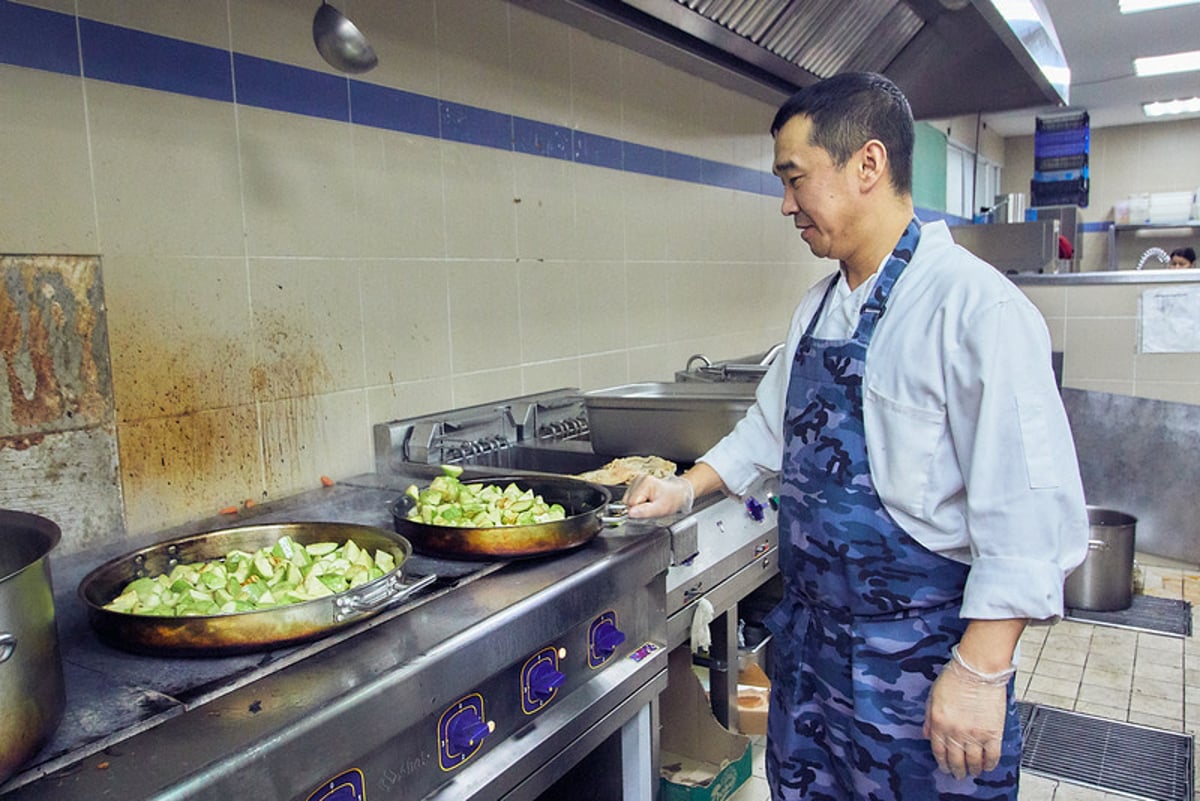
678 421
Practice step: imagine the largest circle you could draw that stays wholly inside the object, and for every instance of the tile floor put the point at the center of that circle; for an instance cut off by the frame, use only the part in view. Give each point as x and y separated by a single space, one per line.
1131 676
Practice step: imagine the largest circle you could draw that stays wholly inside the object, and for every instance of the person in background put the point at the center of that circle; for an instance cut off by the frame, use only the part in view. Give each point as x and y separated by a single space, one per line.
930 501
1182 258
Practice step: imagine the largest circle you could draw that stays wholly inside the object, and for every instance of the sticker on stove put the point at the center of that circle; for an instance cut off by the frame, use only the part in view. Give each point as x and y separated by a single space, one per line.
346 786
647 649
461 731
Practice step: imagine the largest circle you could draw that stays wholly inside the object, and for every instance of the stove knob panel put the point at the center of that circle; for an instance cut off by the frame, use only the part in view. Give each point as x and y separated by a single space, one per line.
603 639
540 679
461 731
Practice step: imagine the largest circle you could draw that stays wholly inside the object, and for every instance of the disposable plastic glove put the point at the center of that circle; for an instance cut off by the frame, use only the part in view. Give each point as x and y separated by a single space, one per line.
648 496
964 717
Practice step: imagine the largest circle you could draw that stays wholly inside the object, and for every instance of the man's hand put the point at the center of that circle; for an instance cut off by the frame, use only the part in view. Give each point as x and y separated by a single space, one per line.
655 497
964 719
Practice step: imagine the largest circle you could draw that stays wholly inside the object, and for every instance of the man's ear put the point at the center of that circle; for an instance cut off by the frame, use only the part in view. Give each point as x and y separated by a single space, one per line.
872 163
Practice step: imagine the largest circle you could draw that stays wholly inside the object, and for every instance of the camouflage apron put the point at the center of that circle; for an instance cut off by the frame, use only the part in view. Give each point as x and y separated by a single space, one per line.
869 614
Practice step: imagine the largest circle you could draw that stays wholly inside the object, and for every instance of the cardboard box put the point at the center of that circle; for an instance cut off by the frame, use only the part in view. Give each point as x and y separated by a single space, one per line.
754 693
701 759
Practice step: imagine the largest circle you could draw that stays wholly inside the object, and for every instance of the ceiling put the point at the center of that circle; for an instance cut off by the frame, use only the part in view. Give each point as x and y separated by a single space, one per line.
1100 44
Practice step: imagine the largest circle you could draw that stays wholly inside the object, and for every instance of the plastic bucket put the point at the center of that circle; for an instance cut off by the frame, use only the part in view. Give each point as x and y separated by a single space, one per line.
1104 582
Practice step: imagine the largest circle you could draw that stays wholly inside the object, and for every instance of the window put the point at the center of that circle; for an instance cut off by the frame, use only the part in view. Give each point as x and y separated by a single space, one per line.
972 182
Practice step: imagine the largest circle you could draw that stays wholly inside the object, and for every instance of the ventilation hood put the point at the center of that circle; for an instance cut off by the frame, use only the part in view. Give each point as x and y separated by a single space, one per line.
950 57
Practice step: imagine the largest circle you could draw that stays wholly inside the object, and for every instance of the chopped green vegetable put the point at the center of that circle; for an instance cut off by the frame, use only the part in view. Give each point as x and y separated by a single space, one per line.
285 573
448 502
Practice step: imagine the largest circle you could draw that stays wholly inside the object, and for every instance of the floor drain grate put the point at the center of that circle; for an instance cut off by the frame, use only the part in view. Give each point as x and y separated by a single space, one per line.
1106 754
1146 613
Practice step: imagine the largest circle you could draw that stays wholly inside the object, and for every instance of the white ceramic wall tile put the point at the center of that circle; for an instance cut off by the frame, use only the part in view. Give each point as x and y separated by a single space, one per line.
599 224
204 22
180 334
652 364
647 217
550 375
176 469
314 436
308 327
300 185
166 172
603 315
595 85
603 370
1103 300
1168 367
1100 349
279 30
405 321
648 110
1111 387
488 385
648 302
403 37
62 6
398 197
485 328
541 67
47 206
1173 391
548 305
480 196
473 49
1051 301
410 399
545 214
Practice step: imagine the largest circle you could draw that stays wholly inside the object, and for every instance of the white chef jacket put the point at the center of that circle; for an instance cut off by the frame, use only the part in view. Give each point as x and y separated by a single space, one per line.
969 446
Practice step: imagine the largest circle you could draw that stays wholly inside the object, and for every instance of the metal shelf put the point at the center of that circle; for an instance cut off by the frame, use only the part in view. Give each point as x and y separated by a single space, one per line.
1113 230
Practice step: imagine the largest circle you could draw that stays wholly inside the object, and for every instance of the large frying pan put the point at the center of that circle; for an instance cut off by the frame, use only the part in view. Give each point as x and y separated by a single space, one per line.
586 505
239 632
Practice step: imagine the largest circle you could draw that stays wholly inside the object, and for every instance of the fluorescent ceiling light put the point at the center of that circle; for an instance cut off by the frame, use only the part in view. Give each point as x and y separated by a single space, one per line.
1189 105
1134 6
1163 65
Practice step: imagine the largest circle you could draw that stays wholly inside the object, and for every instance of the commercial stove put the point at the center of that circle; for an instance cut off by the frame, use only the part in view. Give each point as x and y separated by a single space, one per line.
720 552
498 681
520 679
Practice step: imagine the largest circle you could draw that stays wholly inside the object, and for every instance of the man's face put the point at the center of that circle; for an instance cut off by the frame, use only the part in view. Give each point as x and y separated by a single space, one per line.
817 195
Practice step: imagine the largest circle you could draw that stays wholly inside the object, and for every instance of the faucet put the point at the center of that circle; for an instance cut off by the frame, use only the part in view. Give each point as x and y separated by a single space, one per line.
1157 253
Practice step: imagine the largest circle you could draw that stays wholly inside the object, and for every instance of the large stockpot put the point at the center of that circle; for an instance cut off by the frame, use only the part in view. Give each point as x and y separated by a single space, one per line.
586 505
238 632
32 694
1104 582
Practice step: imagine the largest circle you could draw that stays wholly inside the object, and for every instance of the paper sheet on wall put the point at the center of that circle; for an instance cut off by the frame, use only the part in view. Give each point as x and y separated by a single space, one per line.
1169 320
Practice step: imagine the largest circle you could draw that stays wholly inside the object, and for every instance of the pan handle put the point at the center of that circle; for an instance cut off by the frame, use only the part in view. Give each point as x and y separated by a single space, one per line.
352 604
617 514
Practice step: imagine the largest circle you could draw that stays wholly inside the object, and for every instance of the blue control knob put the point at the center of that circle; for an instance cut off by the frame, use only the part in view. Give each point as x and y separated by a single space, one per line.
466 730
607 638
754 508
544 680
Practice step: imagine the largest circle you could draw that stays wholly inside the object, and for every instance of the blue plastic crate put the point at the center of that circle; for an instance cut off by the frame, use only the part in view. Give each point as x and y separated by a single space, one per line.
1060 175
1062 143
1055 163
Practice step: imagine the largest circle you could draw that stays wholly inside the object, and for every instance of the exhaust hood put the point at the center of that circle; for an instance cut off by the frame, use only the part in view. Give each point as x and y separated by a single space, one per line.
950 57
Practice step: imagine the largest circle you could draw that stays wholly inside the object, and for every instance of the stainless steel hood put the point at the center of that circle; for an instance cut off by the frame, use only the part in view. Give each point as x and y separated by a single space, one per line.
950 57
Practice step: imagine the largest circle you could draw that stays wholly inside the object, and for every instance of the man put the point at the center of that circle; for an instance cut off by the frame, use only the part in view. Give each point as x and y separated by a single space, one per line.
930 501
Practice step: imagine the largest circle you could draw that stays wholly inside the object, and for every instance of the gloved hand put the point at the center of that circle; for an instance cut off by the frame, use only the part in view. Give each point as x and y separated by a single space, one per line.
648 496
964 717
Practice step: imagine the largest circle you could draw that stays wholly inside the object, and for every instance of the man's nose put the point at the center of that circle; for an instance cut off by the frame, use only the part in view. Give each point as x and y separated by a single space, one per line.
789 205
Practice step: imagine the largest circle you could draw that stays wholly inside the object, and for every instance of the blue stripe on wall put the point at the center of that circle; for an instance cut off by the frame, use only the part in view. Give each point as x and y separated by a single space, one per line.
125 56
46 40
282 87
38 39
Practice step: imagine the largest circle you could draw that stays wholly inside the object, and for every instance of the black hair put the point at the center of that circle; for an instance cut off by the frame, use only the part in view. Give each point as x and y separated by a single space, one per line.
1187 253
848 110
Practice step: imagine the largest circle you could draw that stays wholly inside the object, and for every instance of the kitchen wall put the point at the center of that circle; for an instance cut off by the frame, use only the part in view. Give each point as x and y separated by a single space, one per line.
1096 325
1122 160
276 278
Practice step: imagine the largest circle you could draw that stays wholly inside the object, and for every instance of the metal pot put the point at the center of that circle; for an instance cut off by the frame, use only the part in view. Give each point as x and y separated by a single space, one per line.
585 503
238 632
32 693
1104 582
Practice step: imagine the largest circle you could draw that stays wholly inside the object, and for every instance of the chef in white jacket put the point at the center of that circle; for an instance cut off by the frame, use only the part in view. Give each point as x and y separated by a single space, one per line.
931 503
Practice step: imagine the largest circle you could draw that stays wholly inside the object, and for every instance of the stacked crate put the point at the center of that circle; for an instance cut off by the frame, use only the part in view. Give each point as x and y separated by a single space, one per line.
1060 155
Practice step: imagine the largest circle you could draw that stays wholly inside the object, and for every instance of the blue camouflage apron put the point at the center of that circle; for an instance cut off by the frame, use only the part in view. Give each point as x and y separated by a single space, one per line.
869 614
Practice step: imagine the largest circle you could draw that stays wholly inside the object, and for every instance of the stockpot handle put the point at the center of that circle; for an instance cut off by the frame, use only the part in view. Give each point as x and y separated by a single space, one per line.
8 644
370 598
1097 545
